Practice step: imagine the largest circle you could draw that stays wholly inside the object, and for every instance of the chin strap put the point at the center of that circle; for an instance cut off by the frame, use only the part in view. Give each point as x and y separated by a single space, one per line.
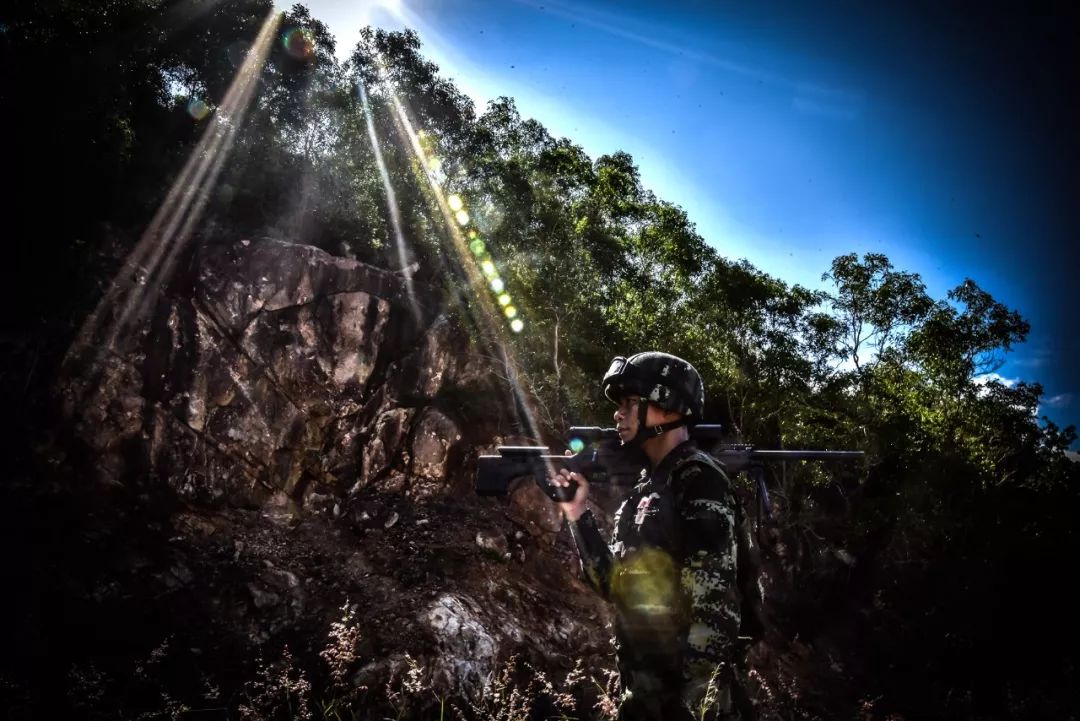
644 432
664 428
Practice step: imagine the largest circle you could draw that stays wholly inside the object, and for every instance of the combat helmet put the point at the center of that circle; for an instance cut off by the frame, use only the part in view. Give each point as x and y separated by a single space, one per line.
662 379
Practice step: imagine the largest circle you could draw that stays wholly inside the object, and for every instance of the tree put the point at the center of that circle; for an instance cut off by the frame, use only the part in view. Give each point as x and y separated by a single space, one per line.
958 344
875 303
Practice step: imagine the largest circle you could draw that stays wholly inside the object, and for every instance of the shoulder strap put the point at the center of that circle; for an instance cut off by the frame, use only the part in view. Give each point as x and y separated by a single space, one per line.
700 456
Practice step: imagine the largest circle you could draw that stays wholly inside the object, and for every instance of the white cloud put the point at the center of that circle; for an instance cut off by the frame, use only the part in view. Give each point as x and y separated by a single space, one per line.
985 379
1061 400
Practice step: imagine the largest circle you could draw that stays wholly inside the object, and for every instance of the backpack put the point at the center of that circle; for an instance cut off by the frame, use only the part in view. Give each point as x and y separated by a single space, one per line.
747 557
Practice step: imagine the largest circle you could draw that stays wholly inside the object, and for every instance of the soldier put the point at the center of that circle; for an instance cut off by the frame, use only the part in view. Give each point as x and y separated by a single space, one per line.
670 569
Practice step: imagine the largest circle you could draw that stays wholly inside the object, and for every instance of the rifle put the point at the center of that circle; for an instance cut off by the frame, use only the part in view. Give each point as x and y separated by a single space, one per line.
602 459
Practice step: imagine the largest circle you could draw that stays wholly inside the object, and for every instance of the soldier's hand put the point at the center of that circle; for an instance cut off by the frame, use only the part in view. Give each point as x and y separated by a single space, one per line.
573 508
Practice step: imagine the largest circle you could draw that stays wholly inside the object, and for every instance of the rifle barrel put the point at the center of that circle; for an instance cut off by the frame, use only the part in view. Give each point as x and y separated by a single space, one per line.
605 462
775 455
589 434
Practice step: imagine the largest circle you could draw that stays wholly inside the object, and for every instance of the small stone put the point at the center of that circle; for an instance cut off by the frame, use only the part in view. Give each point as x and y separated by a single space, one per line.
182 573
288 577
846 558
494 542
263 599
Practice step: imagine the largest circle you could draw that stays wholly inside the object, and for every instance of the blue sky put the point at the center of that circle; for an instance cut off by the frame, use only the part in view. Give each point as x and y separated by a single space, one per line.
791 135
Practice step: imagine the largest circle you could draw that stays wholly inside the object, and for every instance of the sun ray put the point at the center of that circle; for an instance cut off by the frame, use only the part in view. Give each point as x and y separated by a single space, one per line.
391 202
148 267
490 316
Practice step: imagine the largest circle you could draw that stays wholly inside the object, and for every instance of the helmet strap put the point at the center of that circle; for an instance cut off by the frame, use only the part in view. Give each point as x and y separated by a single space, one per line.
665 427
644 432
641 435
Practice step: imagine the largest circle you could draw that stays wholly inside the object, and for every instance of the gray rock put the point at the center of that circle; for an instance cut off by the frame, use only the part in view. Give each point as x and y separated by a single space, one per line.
273 371
492 541
530 508
468 648
263 598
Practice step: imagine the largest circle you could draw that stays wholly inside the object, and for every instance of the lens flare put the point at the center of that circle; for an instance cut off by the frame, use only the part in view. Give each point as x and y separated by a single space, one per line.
454 201
197 109
504 299
434 164
477 247
509 311
497 285
299 42
477 269
427 143
462 217
576 444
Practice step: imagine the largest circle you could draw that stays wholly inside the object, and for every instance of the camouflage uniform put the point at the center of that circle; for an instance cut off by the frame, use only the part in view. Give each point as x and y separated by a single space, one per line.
670 571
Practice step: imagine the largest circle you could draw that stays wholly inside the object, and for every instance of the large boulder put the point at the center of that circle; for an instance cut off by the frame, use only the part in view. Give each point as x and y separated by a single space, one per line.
273 368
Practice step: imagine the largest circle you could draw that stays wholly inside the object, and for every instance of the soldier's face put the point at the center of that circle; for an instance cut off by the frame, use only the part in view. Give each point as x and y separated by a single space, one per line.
626 417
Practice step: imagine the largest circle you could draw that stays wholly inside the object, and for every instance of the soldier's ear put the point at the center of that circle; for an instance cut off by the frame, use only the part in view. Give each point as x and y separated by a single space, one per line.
668 415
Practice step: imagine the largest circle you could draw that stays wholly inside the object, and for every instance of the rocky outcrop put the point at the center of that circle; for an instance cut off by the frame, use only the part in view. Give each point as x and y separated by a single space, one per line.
276 368
317 445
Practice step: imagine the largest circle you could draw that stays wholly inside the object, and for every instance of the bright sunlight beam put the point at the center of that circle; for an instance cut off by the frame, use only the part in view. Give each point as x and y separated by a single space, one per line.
148 267
455 224
391 202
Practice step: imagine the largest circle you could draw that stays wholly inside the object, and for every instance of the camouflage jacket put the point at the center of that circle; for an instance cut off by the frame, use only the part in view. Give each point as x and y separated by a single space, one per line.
670 569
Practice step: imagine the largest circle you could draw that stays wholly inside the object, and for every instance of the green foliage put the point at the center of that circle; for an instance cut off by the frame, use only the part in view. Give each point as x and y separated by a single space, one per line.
957 345
874 303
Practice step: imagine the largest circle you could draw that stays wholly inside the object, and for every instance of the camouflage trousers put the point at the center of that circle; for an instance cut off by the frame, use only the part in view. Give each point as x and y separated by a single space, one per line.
647 697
